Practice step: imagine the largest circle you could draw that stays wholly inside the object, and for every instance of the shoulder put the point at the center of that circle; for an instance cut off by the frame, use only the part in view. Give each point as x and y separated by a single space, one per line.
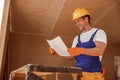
101 31
101 36
76 37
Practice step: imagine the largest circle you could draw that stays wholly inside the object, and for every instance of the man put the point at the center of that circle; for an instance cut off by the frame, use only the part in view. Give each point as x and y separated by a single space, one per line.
88 46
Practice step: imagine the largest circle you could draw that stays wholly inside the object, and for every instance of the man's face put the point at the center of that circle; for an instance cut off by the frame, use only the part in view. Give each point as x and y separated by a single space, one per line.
80 23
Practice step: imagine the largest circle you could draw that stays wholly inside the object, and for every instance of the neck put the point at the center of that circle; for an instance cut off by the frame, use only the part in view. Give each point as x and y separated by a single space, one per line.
87 28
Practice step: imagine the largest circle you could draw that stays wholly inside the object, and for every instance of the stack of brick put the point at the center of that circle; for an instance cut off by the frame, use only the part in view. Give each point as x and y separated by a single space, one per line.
39 72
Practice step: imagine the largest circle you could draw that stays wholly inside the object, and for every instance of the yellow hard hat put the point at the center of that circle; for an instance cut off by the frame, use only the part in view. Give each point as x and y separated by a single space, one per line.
79 12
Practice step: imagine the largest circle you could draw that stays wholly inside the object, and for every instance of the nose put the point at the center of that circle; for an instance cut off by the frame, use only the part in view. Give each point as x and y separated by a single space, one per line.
77 23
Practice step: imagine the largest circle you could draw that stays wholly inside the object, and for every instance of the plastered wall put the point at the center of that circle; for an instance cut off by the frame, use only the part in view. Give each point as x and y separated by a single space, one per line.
26 49
30 27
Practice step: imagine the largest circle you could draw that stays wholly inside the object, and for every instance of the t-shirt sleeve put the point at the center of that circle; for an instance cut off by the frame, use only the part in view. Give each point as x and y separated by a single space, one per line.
75 41
101 36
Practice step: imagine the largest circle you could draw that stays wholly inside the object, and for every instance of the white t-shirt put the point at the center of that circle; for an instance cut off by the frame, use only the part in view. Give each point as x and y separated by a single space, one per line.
84 37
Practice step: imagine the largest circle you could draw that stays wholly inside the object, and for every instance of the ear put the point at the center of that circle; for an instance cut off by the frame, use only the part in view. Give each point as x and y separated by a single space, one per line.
86 19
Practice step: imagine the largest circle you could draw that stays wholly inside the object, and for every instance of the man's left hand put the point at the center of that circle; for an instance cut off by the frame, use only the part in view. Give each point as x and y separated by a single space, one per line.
76 51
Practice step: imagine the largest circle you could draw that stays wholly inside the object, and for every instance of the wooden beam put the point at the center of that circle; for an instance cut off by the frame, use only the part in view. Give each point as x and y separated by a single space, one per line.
4 36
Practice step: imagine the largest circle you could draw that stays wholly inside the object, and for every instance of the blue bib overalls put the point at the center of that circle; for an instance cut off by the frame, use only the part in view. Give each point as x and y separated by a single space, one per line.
86 62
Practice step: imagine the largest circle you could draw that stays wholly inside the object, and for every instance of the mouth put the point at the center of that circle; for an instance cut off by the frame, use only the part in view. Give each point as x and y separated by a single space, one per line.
80 27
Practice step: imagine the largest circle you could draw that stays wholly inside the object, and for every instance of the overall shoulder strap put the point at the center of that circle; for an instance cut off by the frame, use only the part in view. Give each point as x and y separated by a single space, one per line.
93 35
79 39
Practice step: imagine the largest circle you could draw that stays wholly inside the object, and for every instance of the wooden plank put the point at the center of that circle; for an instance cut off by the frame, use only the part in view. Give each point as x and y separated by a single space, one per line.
4 36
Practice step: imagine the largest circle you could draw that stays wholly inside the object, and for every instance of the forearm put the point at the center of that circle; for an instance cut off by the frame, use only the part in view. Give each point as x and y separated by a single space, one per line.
96 51
93 51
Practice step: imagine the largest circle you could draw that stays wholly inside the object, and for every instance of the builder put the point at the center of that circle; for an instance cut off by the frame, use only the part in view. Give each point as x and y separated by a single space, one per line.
87 46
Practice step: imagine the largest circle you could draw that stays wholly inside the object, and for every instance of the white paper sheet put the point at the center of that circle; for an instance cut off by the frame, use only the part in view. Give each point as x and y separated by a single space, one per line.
58 45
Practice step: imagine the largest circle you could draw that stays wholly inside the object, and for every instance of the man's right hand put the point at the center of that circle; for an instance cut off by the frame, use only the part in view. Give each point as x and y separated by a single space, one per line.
52 51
